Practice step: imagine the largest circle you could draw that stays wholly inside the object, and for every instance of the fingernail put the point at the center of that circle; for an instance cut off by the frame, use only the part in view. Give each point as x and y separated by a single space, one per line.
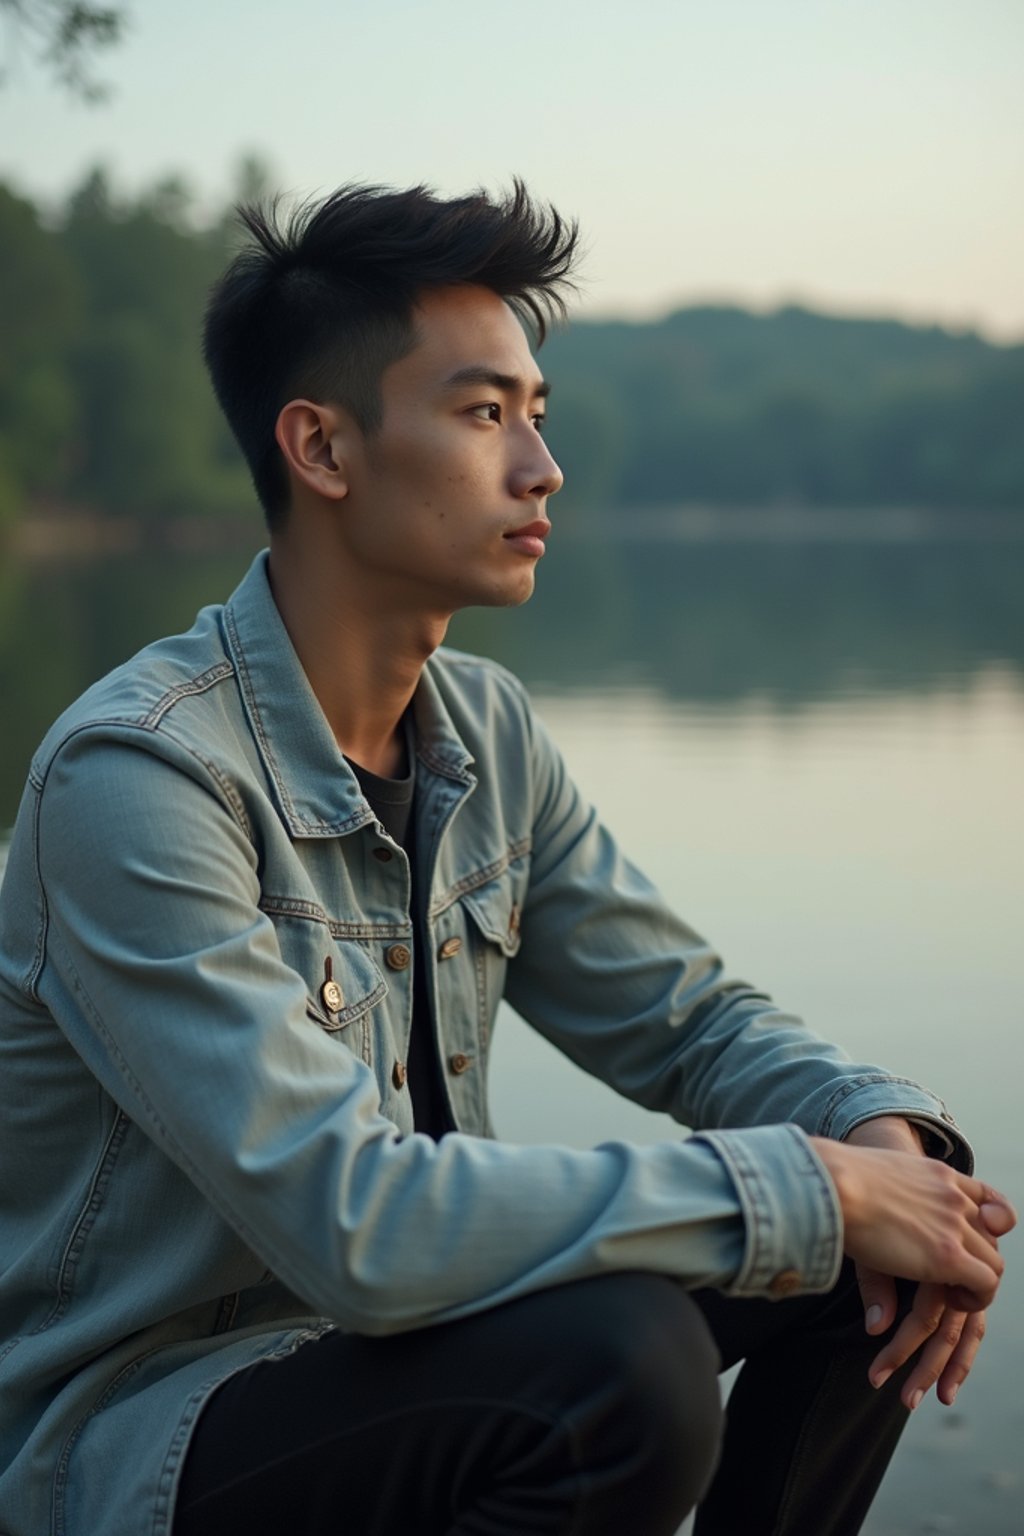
952 1395
880 1378
915 1399
873 1317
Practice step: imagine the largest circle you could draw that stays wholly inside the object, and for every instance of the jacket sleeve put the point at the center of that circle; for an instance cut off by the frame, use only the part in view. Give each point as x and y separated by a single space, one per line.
167 978
622 986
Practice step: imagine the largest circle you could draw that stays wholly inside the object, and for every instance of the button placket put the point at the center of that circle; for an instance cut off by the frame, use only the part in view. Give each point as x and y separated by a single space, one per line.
397 957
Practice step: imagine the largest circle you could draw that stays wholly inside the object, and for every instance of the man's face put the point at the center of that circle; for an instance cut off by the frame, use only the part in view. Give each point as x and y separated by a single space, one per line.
446 501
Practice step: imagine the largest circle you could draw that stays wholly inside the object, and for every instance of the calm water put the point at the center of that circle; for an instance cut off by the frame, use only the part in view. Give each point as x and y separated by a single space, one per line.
817 749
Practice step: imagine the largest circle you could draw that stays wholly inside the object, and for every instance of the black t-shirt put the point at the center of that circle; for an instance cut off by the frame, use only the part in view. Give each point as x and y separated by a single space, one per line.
393 802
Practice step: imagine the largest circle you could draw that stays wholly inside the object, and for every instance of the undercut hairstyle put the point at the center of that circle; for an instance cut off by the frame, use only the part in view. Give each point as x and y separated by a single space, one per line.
321 301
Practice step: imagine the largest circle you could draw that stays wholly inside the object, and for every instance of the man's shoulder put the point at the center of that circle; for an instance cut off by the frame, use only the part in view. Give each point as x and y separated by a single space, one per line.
476 689
142 693
462 669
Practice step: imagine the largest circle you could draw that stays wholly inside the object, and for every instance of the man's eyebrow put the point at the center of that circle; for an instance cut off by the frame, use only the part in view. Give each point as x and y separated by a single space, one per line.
510 383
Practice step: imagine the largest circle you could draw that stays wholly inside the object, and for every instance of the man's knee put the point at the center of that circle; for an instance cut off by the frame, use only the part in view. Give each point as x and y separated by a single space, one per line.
643 1369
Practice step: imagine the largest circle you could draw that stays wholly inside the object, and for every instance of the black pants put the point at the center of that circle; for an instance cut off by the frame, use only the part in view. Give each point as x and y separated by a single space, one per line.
591 1409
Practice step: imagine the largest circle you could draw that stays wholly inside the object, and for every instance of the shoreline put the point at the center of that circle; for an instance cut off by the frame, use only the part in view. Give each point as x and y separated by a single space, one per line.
61 534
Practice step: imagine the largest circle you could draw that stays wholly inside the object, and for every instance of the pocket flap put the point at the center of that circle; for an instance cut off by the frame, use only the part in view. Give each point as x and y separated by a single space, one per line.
361 984
496 913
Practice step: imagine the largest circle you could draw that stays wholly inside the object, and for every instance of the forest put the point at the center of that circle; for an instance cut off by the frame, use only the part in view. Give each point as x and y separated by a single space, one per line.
106 412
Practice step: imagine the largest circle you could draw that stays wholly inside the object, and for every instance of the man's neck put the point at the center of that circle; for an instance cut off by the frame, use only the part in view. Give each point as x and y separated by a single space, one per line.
362 654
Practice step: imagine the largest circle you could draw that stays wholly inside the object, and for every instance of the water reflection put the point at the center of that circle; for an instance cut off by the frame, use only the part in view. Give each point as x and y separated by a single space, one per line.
711 623
790 622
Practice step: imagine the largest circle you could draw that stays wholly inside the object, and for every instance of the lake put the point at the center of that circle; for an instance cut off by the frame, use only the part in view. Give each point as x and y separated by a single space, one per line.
812 737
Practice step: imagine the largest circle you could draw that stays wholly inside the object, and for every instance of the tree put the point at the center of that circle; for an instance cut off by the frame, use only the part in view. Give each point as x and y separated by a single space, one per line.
151 443
65 35
41 315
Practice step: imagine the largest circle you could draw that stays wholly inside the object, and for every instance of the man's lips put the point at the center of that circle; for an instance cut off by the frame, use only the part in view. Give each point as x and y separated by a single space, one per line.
529 540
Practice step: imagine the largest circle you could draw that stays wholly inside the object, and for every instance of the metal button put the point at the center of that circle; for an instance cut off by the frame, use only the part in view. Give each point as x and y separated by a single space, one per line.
397 957
460 1063
383 854
332 997
399 1074
786 1282
449 948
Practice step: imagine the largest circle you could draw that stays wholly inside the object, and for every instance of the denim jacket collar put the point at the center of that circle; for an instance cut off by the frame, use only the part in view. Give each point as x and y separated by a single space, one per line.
316 791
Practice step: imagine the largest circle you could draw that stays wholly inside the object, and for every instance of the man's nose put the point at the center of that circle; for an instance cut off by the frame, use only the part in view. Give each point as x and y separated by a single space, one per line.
537 474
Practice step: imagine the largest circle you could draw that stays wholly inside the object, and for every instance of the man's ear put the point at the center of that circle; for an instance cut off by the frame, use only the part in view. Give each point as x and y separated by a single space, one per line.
313 439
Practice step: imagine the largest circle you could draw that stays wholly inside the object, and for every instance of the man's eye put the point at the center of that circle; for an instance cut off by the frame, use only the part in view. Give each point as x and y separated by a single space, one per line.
489 412
540 422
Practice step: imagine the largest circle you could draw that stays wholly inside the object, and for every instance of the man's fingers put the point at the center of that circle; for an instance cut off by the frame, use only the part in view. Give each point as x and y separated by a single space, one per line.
985 1223
921 1322
965 1300
945 1357
945 1340
972 1273
962 1358
920 1219
992 1219
878 1294
936 1357
998 1215
981 1242
976 1276
985 1247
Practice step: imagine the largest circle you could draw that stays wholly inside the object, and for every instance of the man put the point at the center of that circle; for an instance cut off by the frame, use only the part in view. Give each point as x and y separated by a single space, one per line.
263 1267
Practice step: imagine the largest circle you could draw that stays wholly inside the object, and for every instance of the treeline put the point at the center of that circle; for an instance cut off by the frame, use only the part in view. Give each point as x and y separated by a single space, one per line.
725 407
104 401
105 408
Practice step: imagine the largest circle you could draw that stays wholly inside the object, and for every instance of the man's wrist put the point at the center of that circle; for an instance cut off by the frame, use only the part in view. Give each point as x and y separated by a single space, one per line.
892 1133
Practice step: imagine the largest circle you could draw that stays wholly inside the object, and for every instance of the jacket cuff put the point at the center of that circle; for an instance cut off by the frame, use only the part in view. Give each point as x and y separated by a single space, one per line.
792 1218
867 1097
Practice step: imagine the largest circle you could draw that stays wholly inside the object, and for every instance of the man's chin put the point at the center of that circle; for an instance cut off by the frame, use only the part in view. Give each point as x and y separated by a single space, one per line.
514 596
504 594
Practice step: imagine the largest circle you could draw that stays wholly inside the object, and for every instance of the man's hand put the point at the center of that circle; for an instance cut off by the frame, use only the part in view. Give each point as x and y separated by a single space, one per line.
919 1219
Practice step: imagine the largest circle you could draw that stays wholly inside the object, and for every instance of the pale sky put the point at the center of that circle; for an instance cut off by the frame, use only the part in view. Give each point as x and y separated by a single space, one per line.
863 156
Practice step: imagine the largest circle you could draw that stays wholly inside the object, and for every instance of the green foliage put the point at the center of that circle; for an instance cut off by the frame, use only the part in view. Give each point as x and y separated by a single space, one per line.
105 406
152 444
720 406
40 320
10 493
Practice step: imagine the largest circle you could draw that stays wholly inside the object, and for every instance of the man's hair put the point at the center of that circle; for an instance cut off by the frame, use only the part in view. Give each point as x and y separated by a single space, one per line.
322 301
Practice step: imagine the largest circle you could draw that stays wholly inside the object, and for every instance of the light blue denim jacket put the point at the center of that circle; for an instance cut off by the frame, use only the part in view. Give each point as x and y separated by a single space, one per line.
204 1163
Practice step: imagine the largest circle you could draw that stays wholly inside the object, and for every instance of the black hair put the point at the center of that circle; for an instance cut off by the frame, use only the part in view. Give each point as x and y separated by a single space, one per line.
321 301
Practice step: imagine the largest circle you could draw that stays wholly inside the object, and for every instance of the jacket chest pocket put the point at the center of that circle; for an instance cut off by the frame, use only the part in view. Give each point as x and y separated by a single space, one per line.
342 1004
343 983
492 915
